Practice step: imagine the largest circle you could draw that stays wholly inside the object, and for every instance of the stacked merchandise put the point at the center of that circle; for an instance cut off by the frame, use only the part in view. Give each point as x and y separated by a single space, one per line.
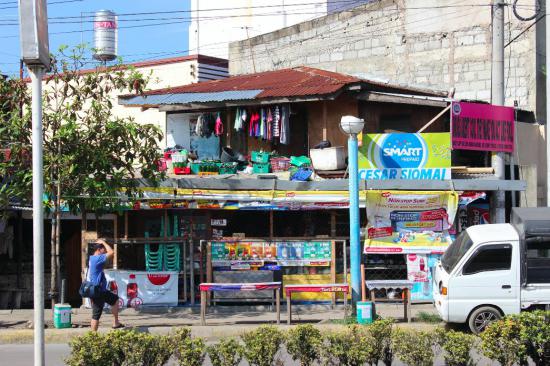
260 162
179 162
167 257
267 123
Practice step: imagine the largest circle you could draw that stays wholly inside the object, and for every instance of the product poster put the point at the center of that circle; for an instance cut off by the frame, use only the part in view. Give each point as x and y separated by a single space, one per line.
406 156
420 269
143 288
409 221
289 253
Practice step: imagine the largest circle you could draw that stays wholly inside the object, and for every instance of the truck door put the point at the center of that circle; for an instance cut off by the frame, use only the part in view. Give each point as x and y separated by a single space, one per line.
488 277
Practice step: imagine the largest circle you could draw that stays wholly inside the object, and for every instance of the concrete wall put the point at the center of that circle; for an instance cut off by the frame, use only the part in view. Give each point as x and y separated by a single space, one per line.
531 159
433 43
216 23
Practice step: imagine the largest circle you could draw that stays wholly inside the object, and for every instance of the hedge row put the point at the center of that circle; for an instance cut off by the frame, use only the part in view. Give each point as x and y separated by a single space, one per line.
510 341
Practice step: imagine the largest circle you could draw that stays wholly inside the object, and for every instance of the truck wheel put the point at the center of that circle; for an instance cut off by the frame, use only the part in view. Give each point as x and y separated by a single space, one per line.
480 318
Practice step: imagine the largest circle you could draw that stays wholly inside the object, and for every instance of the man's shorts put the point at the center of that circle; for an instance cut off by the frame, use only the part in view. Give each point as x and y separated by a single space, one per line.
99 302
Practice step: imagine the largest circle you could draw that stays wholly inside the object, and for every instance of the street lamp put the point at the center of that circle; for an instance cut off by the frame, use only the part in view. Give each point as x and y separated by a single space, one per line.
33 31
352 126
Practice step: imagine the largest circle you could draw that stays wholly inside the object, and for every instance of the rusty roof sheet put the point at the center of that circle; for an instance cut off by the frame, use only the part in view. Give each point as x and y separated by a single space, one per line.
299 81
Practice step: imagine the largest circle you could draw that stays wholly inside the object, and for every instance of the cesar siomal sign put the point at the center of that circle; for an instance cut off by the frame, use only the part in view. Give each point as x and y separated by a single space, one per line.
406 156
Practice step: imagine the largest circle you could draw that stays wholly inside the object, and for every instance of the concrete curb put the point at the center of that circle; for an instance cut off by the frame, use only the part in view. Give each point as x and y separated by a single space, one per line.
209 333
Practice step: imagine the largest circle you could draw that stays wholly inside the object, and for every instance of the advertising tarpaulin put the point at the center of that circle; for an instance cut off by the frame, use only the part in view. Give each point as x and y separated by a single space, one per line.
420 269
482 127
409 221
285 253
406 156
144 288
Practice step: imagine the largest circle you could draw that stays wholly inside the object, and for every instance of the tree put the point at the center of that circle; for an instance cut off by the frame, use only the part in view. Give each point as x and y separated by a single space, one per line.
91 156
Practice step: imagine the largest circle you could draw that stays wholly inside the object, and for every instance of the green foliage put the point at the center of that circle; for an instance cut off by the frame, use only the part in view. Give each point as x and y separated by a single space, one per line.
134 348
227 352
535 335
303 344
91 349
426 317
188 351
262 345
120 348
414 347
382 331
352 347
456 347
90 152
501 341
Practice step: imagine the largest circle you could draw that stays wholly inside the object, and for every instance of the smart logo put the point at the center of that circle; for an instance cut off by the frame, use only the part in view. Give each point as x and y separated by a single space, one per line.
404 156
402 151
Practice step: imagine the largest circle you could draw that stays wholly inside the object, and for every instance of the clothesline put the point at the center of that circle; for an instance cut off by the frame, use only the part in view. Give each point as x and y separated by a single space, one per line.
267 123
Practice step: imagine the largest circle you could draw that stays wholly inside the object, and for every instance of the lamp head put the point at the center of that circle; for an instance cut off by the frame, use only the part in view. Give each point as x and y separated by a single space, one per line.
351 125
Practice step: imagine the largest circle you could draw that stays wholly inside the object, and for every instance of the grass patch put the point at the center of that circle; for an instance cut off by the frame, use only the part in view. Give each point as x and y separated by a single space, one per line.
346 321
426 317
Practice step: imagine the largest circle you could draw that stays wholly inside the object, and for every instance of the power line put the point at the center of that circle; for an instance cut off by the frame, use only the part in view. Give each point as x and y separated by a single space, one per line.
52 3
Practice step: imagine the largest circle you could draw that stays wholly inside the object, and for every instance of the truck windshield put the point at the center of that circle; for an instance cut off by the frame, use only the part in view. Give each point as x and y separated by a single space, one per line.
456 251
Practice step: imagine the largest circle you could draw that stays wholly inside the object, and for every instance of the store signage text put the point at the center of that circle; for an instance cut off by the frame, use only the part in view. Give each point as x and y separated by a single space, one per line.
405 156
482 127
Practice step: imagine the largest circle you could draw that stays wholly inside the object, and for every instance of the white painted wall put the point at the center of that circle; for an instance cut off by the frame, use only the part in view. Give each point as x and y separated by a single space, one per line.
216 23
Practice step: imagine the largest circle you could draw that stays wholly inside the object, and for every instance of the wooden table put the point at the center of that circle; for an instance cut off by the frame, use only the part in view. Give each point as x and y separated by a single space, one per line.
403 285
334 287
259 286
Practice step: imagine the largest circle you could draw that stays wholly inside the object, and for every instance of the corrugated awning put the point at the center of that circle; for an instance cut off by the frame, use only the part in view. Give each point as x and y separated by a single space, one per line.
184 98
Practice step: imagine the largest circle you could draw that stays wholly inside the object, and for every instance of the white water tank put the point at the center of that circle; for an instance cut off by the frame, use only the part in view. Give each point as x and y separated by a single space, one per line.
105 35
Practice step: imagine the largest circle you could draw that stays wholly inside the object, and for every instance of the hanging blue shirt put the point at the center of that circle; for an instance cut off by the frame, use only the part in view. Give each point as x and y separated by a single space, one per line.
95 273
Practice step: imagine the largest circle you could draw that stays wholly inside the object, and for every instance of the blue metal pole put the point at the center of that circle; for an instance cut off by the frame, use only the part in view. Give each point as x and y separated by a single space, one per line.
354 233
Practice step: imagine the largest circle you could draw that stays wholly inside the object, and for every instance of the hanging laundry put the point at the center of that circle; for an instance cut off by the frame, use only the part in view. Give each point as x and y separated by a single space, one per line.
262 124
237 125
198 127
276 122
254 124
218 128
285 127
269 124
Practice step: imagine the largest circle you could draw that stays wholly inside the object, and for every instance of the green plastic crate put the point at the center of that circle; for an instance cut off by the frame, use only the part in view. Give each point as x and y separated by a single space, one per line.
195 167
260 157
228 168
261 168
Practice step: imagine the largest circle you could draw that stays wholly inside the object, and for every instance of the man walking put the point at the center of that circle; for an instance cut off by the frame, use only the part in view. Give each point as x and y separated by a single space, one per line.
102 253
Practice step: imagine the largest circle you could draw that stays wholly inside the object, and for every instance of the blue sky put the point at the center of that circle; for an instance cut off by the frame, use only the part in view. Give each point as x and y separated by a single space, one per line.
167 39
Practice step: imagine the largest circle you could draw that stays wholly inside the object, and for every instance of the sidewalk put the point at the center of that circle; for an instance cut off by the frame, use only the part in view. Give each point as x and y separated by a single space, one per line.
221 320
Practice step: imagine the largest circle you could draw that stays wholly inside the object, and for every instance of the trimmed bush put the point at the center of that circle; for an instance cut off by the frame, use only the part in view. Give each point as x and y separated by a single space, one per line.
262 345
414 347
91 349
501 341
189 351
227 352
303 344
456 347
134 348
535 334
352 347
382 331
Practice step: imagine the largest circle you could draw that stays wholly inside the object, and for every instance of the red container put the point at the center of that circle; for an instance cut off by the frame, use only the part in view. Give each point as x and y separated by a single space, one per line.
161 164
182 171
280 164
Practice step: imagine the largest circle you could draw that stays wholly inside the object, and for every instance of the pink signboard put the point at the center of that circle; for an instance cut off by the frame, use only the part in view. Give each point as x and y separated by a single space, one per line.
483 127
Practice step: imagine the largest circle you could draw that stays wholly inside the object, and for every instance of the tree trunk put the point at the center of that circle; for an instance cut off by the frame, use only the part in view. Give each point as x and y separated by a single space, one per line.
53 262
58 239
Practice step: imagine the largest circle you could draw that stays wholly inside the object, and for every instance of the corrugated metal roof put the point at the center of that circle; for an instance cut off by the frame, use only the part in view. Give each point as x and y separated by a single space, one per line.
184 98
298 81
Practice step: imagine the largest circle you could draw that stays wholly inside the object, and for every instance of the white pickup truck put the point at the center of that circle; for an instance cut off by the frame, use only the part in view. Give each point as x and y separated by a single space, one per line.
494 270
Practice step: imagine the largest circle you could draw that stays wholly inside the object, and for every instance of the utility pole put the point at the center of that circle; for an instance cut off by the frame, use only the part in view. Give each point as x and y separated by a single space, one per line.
547 36
498 214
